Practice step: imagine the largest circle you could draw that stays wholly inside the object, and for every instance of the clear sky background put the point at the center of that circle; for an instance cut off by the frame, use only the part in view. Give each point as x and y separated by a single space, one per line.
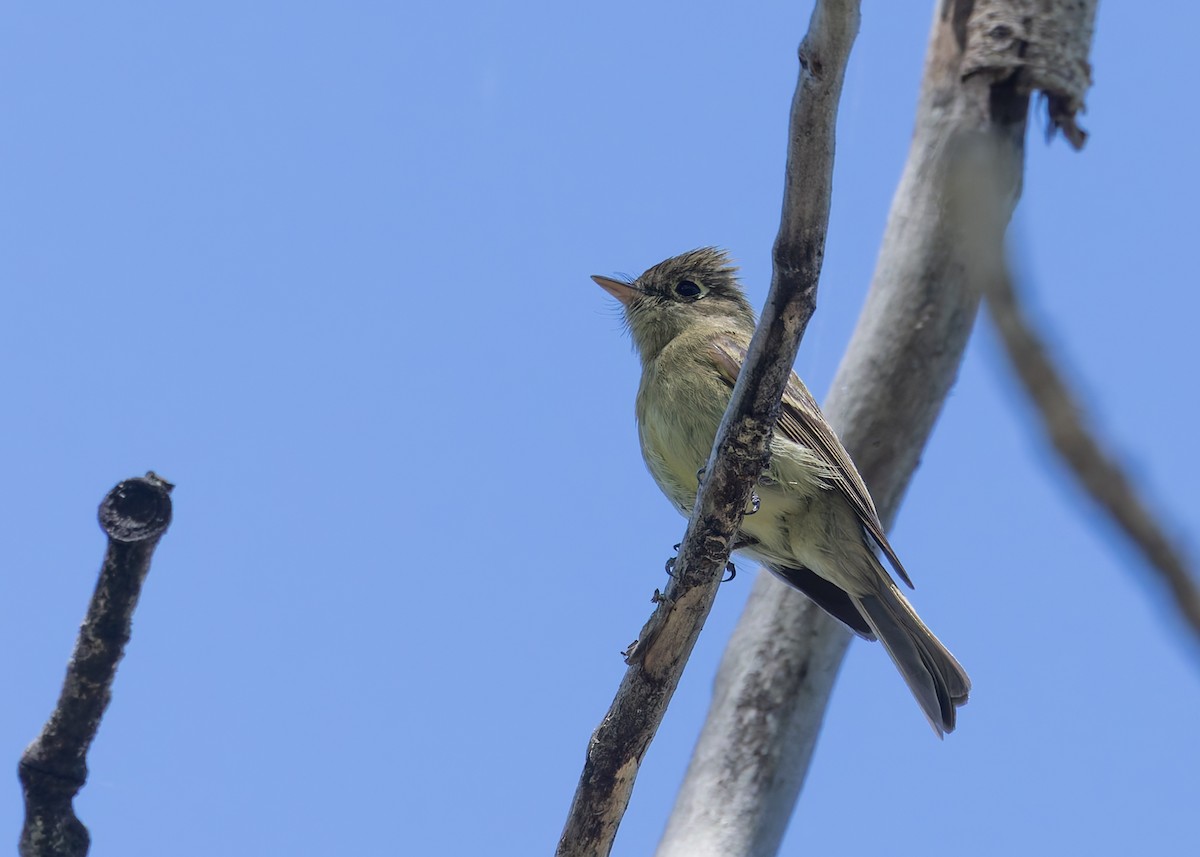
325 266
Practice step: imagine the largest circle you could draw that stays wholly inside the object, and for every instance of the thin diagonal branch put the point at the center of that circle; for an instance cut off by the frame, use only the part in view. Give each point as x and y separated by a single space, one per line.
53 768
1100 475
740 450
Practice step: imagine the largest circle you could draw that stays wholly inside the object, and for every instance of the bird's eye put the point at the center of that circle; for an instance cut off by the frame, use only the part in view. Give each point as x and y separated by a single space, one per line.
687 289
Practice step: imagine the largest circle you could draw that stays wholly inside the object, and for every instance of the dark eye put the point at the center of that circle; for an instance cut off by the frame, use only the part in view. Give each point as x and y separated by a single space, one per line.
687 289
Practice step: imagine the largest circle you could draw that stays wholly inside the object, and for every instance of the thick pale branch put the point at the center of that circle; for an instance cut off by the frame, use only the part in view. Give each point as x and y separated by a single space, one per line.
658 658
778 671
1043 43
53 768
1098 473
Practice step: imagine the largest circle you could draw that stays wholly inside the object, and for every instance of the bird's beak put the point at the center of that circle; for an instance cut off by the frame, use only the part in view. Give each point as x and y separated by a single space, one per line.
624 292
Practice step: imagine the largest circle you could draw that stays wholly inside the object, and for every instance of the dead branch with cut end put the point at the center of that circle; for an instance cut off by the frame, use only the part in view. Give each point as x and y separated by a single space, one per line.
53 769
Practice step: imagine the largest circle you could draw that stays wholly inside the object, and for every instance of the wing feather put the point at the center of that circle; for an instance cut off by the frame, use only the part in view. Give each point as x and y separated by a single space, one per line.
801 421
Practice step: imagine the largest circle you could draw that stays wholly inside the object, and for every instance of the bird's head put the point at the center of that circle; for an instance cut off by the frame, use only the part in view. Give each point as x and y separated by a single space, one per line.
695 289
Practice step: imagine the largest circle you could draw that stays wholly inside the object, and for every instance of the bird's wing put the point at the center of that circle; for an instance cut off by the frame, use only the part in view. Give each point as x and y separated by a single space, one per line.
801 421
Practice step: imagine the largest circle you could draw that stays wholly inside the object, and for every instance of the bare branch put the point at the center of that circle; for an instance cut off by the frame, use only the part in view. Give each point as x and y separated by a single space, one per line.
739 453
53 768
1097 472
778 671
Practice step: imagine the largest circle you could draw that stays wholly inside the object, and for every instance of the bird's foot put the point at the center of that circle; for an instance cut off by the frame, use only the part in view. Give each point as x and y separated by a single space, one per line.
670 566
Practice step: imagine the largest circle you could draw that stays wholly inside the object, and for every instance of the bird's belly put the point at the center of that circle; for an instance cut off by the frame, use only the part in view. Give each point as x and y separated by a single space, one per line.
816 530
782 528
797 522
675 451
787 526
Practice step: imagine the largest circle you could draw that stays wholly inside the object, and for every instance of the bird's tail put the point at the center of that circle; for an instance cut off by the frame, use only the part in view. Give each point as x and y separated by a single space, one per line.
935 678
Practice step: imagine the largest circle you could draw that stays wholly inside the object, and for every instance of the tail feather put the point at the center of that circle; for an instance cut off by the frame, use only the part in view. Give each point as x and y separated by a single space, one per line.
828 596
935 678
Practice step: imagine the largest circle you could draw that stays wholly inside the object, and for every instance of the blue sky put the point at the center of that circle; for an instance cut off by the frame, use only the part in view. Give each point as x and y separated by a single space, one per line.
325 266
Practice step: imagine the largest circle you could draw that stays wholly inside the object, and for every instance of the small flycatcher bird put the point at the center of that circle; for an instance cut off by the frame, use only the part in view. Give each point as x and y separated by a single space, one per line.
816 526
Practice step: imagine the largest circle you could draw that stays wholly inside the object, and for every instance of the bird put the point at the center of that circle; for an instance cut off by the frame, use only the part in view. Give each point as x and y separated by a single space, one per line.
816 527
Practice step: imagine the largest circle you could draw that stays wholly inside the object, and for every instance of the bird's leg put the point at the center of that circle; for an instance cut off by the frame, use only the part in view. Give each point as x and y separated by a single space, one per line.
670 567
740 542
766 479
729 566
